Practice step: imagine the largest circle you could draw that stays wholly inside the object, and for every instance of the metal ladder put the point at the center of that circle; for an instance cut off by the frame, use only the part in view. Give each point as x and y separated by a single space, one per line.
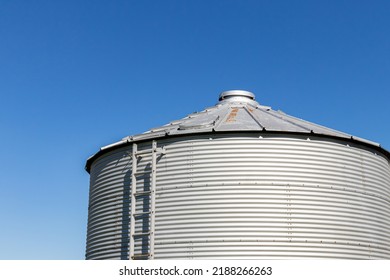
148 215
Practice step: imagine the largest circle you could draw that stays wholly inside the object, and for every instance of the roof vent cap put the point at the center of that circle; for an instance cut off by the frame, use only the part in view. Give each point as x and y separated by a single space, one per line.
237 95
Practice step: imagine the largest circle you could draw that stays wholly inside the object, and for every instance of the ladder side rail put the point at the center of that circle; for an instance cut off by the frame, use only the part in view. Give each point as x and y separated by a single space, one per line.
153 198
133 200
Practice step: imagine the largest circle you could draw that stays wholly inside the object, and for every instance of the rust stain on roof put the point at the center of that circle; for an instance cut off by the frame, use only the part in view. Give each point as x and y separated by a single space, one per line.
232 115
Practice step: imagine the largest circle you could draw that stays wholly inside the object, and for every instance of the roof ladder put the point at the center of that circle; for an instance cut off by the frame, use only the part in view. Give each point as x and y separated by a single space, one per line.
148 215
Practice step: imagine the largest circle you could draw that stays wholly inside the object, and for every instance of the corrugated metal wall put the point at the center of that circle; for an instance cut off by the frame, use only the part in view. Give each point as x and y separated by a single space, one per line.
231 196
109 207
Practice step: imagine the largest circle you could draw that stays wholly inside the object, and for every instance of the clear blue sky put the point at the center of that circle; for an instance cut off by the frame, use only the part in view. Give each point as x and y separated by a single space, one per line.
78 75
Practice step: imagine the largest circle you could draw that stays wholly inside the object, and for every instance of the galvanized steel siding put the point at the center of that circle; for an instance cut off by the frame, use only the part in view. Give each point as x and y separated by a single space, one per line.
109 206
230 196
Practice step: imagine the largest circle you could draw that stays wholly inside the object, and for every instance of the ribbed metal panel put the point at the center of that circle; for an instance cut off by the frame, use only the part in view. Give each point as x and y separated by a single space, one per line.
109 206
248 195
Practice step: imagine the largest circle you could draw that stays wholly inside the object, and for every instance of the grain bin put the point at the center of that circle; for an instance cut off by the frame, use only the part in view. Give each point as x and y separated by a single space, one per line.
239 181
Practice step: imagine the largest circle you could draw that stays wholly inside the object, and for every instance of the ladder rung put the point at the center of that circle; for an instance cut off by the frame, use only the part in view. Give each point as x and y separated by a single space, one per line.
143 152
149 151
140 256
143 172
141 234
142 193
142 213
